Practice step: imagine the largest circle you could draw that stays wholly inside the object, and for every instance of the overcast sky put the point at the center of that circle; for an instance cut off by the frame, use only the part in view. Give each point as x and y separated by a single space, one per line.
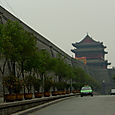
64 22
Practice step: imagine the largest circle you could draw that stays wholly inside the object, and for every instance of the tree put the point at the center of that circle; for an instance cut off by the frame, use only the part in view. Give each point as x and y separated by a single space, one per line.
13 84
60 68
28 82
18 45
81 78
2 57
37 84
11 32
47 84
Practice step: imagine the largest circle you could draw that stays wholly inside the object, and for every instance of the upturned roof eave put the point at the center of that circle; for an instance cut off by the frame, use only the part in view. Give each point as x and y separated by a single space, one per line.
77 45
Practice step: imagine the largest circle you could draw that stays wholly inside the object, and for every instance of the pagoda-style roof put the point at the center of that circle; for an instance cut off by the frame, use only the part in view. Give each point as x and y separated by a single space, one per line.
98 61
92 50
88 50
88 42
87 39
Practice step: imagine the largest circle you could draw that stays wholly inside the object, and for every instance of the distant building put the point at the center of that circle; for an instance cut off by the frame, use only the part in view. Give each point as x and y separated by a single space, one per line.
91 52
88 51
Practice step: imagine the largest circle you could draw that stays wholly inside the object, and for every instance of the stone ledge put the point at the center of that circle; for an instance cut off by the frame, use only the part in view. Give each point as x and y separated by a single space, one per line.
13 107
25 112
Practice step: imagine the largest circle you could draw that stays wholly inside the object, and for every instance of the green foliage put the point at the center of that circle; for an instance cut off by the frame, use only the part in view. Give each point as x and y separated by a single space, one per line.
28 82
17 44
60 68
13 84
37 83
81 78
67 86
77 85
32 63
44 59
40 62
19 48
47 84
61 85
69 72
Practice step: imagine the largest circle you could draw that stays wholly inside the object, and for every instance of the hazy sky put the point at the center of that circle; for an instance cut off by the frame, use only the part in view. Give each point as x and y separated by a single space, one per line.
64 22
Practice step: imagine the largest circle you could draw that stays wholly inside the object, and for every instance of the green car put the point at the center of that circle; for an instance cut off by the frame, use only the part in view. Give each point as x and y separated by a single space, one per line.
86 90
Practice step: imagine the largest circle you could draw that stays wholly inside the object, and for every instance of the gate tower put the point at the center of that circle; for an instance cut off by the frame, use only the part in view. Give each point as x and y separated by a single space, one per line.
92 52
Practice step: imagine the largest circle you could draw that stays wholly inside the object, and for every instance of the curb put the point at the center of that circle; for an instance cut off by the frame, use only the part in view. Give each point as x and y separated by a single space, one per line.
25 112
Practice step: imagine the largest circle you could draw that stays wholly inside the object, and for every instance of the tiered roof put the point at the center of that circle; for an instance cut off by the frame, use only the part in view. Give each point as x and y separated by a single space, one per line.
92 50
88 41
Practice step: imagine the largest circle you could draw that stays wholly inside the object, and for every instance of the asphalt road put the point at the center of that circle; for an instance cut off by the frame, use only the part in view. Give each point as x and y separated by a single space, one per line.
96 105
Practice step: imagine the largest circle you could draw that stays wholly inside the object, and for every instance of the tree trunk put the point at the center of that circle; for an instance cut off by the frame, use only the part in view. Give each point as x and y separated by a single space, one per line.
9 67
2 69
14 68
22 71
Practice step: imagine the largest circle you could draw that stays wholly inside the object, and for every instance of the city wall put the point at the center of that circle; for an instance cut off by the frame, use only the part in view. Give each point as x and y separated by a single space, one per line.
43 43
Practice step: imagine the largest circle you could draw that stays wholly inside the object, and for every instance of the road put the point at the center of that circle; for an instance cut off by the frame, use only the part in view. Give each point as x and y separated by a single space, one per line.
96 105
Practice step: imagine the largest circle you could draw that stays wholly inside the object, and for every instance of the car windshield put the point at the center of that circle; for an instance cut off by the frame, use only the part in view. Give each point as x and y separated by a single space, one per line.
86 88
